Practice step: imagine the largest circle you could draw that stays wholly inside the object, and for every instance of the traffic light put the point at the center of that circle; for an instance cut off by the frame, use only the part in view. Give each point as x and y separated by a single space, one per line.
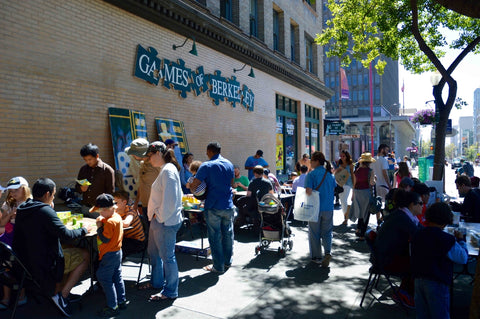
431 147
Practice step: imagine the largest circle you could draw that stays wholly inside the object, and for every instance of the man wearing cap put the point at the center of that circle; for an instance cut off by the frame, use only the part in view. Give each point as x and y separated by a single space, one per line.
470 207
94 178
218 174
147 173
253 161
36 241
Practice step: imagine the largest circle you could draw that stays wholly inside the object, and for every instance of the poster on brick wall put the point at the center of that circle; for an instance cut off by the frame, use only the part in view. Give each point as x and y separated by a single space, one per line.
125 126
172 129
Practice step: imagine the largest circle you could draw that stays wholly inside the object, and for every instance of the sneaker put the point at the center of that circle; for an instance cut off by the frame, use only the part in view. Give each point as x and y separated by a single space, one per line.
62 304
402 297
123 305
326 260
108 312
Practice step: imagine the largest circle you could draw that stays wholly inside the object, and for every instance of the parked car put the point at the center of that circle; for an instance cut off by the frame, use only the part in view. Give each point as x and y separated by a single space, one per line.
456 163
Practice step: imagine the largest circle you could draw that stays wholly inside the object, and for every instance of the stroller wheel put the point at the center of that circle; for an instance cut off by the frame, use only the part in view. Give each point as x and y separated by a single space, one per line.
290 244
281 252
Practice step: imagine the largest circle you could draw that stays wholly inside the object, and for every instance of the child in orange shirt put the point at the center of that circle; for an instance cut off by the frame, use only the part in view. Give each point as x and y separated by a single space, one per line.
109 273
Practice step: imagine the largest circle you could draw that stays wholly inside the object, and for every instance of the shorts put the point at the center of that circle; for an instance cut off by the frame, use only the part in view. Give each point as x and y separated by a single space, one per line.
73 258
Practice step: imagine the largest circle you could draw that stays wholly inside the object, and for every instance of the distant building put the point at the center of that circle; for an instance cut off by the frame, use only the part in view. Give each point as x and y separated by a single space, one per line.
476 115
389 127
465 133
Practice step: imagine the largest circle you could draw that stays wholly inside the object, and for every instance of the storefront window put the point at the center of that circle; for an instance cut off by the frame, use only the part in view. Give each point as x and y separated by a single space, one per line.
312 121
286 135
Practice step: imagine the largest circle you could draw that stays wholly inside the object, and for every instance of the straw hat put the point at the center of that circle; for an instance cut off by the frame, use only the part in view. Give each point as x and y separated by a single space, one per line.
366 158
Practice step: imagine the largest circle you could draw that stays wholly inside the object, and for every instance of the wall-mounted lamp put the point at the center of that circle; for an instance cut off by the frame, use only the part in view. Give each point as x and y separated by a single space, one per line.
194 46
251 74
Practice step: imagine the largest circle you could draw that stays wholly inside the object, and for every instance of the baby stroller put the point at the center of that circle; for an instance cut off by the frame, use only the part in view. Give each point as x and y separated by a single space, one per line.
273 225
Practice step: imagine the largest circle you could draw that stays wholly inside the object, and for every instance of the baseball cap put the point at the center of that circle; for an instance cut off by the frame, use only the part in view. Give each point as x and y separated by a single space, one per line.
421 189
103 201
259 153
137 147
16 183
407 181
170 141
155 147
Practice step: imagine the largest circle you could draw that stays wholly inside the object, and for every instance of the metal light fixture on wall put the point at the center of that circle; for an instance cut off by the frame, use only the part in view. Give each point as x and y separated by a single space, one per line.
194 46
251 74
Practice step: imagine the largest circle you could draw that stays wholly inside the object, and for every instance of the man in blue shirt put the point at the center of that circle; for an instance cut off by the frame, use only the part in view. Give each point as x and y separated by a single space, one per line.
253 161
218 174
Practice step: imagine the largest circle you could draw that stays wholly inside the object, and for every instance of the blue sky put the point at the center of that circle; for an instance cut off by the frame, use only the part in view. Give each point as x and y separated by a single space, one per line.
418 88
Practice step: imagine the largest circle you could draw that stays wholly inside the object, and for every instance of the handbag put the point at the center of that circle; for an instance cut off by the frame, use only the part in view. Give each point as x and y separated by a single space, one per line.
338 189
341 177
375 202
307 207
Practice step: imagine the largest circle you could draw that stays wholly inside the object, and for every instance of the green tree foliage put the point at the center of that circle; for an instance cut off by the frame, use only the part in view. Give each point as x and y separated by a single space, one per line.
471 152
410 31
450 150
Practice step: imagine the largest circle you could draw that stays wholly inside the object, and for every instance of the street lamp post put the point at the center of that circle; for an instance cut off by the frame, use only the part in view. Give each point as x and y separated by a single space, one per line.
371 105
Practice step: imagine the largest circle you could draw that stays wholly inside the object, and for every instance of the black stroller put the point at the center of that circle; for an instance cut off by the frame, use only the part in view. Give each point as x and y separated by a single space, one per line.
273 225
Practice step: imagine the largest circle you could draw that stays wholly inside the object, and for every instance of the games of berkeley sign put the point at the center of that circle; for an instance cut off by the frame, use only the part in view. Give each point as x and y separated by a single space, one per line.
176 76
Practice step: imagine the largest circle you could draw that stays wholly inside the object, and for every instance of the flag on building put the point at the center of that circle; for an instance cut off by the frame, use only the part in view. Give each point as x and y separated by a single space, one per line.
344 85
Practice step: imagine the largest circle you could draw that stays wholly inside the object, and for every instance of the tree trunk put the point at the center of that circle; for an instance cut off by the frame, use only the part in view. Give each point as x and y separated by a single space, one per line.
469 8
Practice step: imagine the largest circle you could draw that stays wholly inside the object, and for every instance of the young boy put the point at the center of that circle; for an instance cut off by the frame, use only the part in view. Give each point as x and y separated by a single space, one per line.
134 237
109 273
433 254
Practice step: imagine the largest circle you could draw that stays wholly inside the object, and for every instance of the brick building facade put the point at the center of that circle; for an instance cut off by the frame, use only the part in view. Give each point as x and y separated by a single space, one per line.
64 63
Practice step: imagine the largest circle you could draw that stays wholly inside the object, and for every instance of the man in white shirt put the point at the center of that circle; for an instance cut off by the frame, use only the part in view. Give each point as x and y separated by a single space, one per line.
380 168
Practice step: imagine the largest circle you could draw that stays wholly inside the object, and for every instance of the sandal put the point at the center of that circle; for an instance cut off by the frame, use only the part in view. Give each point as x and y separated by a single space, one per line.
147 286
211 269
23 301
4 304
160 297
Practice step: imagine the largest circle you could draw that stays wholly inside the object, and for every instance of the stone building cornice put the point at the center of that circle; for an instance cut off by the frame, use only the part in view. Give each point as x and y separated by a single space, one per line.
191 19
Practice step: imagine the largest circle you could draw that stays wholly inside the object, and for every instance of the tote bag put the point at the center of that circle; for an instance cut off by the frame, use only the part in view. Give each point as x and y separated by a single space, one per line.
341 177
306 208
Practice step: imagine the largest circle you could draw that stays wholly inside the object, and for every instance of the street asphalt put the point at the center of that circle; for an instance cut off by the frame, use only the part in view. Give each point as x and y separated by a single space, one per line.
262 286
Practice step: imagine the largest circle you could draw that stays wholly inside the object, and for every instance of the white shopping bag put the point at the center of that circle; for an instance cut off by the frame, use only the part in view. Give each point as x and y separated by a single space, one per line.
306 207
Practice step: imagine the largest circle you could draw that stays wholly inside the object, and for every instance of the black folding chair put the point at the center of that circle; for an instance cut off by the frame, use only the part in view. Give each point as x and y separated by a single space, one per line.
146 228
376 272
14 274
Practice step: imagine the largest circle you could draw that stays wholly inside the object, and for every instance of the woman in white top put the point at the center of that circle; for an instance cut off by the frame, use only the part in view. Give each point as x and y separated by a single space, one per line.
165 215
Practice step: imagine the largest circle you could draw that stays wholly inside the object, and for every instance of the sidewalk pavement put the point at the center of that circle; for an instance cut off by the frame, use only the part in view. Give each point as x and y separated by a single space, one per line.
262 286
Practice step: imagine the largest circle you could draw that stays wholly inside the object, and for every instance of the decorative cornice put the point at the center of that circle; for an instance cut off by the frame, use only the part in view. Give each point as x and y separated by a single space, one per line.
225 37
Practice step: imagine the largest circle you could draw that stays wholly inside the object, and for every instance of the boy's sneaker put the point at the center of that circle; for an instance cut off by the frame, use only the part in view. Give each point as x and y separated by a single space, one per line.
62 304
123 305
108 312
326 260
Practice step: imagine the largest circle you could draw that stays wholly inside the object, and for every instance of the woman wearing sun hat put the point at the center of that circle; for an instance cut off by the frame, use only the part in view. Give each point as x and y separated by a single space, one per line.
364 179
17 193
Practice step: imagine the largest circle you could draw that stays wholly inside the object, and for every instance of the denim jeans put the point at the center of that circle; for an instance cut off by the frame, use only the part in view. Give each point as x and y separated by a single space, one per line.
220 236
432 299
161 248
109 274
320 233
